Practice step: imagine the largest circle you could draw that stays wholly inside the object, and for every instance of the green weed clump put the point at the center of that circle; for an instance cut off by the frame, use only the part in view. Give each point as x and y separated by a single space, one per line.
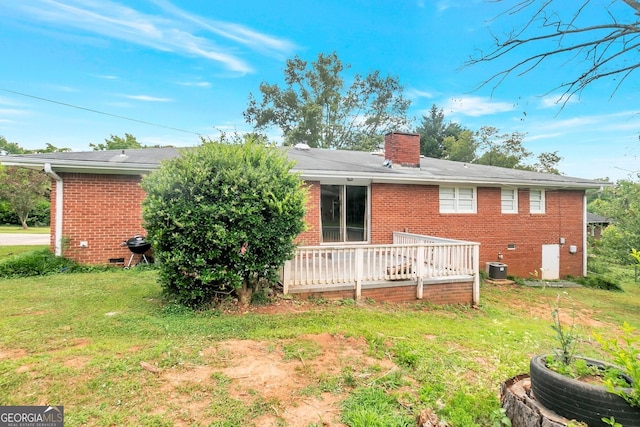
625 353
598 282
38 263
373 407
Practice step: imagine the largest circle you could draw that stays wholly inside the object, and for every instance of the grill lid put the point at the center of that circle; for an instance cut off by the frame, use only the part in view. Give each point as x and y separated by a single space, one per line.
137 241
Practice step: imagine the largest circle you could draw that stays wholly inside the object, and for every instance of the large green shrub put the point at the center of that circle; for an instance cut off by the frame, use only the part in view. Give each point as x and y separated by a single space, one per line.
222 217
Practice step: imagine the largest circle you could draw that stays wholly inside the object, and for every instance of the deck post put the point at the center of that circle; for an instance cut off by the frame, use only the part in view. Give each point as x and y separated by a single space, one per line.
420 271
359 272
476 275
286 276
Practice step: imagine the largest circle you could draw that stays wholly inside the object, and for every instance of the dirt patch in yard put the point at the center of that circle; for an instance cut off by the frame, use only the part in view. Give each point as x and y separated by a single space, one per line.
292 388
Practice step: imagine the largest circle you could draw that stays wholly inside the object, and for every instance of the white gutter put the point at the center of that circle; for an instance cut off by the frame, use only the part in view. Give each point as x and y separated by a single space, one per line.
57 234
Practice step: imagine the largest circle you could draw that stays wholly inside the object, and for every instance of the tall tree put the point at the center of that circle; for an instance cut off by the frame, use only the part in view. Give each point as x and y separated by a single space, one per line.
316 106
433 130
606 49
548 163
115 142
23 189
504 150
621 203
461 148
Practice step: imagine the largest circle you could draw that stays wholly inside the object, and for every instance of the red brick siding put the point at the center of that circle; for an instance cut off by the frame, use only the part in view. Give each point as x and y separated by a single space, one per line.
449 293
311 236
446 293
103 210
415 208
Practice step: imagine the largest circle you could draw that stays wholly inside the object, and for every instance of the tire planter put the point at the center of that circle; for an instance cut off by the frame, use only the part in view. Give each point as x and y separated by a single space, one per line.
577 400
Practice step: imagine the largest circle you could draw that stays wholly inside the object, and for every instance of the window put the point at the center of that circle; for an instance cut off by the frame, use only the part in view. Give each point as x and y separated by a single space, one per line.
536 201
344 213
457 200
509 200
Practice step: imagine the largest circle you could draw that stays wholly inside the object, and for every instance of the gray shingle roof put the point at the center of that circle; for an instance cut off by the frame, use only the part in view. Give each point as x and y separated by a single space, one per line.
313 164
593 218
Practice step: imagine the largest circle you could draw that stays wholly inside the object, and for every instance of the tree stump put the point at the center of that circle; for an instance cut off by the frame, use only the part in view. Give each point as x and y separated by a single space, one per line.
522 408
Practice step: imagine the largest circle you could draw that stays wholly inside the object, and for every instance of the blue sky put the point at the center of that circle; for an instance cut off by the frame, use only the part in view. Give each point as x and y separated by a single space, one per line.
180 68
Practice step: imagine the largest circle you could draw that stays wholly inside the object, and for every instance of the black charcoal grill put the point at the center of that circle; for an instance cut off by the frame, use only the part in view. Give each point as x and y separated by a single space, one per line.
138 245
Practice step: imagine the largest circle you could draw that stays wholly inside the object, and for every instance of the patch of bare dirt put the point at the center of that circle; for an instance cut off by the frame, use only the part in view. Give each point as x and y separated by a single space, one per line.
77 362
260 370
6 353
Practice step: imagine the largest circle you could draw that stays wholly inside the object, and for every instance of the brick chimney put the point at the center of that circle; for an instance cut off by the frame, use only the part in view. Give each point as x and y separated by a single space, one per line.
403 149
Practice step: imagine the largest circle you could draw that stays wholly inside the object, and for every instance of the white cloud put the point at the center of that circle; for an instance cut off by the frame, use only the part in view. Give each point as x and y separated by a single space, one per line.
62 88
417 93
232 31
619 121
554 101
12 112
172 31
196 84
541 136
475 106
443 5
148 98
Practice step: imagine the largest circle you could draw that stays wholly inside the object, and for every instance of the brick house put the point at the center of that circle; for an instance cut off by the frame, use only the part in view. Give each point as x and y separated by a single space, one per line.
534 223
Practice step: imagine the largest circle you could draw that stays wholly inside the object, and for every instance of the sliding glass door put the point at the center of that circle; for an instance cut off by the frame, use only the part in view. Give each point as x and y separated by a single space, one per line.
344 211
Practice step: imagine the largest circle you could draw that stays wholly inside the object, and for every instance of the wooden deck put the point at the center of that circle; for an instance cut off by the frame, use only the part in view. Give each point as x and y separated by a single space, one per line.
410 259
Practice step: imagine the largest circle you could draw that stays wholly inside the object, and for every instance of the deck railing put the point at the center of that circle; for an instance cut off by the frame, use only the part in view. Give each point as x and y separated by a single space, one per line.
409 257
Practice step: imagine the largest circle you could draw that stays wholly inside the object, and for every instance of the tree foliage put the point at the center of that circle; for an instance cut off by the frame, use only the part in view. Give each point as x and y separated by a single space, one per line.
433 130
24 189
605 49
7 147
316 107
504 150
222 217
115 142
442 139
461 147
620 203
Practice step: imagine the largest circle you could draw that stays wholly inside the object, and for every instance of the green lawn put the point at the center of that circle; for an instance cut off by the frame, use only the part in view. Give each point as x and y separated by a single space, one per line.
18 229
106 347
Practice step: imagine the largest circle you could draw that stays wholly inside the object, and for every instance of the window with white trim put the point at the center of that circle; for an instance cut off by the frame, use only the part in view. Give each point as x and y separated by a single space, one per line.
458 200
536 201
509 200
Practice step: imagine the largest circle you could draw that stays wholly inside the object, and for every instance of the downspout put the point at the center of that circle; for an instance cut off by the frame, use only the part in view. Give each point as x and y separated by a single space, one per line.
57 234
584 235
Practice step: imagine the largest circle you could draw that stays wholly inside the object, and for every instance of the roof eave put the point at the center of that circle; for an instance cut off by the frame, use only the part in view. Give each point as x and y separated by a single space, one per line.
415 179
85 167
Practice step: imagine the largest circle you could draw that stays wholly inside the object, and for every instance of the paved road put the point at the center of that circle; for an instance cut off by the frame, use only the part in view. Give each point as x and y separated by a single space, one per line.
11 239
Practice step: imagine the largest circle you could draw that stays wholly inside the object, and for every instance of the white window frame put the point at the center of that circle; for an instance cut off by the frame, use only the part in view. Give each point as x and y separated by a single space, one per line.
509 200
343 208
457 200
537 204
